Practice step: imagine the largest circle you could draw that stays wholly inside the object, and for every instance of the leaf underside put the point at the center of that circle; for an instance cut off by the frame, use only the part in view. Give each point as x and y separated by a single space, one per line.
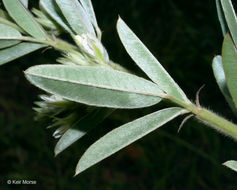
147 62
231 19
76 16
14 52
8 32
52 9
95 86
125 135
219 74
232 164
24 18
221 17
229 58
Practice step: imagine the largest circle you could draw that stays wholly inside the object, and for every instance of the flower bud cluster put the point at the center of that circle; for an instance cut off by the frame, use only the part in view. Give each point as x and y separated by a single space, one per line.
58 112
92 48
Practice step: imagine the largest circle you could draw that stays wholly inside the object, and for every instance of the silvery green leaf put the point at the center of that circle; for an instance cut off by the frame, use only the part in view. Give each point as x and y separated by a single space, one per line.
231 19
87 5
95 86
219 73
8 43
147 62
8 32
221 17
229 59
232 164
11 24
24 18
122 136
52 9
45 20
25 2
76 16
81 127
14 52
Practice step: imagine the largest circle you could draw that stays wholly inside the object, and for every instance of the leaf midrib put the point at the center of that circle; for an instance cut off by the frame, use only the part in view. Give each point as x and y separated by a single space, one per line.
99 86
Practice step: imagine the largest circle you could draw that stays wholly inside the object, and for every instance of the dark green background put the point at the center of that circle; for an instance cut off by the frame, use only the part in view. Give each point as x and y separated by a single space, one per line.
184 35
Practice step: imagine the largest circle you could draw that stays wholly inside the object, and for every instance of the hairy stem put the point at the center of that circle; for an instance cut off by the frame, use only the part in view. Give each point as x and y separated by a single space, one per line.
213 120
58 44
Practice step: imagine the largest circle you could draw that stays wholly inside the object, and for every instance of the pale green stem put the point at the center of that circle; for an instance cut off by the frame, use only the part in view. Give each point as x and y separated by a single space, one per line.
57 43
217 122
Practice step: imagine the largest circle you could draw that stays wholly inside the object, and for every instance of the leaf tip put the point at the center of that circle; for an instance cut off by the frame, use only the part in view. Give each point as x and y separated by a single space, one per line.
119 21
231 164
228 163
56 153
78 170
76 173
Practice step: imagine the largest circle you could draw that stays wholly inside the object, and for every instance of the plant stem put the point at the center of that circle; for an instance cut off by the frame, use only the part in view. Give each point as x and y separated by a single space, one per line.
208 117
218 123
57 43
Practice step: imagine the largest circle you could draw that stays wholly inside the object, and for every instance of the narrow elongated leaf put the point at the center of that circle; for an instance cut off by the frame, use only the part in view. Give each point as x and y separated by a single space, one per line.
219 74
8 43
95 86
9 54
7 31
231 19
125 135
76 16
147 62
25 3
221 17
11 24
229 57
232 164
81 128
87 5
52 9
24 19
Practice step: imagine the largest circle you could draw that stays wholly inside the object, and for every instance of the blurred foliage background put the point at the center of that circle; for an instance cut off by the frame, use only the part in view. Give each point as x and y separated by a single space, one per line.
184 35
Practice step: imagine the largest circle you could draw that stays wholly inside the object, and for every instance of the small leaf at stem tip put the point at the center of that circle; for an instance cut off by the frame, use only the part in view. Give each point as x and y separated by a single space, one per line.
229 59
96 86
14 52
148 63
231 18
24 18
232 164
124 135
